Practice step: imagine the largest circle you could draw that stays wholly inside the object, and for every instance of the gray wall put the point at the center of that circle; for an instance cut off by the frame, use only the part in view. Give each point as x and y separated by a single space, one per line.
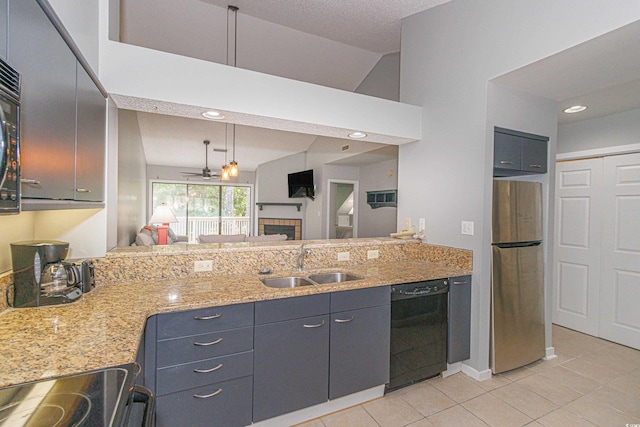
610 131
449 53
132 178
382 221
383 81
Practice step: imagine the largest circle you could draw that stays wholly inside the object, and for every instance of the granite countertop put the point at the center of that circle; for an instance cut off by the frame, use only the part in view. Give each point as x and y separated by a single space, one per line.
104 328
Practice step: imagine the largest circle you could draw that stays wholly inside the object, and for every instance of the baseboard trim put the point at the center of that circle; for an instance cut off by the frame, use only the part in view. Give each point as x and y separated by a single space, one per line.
550 353
322 409
475 374
454 368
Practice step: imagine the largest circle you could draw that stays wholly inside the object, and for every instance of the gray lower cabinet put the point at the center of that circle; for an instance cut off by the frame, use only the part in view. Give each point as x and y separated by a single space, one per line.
291 348
360 339
459 333
203 366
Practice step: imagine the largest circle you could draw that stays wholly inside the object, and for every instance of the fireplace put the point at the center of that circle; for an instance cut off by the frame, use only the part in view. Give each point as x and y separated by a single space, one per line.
291 227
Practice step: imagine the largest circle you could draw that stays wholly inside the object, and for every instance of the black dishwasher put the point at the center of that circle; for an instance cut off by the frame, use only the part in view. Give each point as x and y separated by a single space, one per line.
418 332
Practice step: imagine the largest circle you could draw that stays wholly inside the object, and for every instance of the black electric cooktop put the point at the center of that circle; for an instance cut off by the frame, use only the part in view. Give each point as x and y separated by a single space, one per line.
90 399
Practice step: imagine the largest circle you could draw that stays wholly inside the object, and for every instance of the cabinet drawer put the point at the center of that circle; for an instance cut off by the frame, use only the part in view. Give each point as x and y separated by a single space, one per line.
360 298
201 321
291 308
202 372
230 406
197 347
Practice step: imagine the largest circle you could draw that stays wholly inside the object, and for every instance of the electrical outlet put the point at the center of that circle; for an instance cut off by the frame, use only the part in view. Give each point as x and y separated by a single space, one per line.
422 224
343 256
202 266
467 228
373 254
407 223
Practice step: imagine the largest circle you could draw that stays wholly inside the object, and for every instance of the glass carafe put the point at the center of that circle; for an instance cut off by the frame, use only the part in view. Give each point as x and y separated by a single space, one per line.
55 278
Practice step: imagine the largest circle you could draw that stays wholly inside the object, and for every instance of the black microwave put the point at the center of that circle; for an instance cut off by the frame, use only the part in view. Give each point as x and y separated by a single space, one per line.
9 139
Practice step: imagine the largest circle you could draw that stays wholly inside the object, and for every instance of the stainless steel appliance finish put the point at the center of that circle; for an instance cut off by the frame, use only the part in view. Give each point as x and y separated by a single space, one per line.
418 332
40 277
90 399
517 297
9 139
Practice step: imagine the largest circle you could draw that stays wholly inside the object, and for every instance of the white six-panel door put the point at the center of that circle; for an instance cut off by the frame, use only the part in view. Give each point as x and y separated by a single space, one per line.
577 243
620 284
597 247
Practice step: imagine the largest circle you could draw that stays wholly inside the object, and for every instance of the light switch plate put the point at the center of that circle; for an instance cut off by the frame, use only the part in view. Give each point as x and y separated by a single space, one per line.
467 228
343 256
422 224
206 265
407 223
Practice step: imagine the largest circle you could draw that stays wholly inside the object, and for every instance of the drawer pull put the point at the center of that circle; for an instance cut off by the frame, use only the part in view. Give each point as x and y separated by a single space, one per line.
206 396
215 316
460 283
205 344
29 181
344 320
83 190
315 326
505 162
206 371
536 166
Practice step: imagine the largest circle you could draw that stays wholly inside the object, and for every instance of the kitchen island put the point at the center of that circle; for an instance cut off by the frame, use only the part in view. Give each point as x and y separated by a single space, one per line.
104 328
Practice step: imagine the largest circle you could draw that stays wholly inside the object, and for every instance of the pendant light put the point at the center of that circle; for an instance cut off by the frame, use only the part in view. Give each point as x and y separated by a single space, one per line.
225 175
232 18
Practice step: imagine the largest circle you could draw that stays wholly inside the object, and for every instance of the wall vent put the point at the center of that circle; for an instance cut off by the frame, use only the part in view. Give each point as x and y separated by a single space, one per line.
345 147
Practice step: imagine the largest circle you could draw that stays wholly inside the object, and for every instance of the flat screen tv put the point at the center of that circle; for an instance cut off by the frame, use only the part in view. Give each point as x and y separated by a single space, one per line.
301 184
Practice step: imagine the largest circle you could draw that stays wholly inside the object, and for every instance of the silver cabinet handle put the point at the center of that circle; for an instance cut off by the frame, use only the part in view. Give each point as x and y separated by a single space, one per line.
206 371
29 181
83 190
536 166
460 283
505 162
215 316
315 326
206 396
205 344
344 320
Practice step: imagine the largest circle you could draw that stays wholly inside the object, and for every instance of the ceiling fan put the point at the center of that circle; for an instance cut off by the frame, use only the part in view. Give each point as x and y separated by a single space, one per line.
206 172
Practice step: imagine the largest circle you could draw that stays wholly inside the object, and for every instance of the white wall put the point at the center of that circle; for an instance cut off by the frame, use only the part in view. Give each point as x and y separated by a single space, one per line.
449 53
14 228
383 81
132 179
610 131
381 221
272 187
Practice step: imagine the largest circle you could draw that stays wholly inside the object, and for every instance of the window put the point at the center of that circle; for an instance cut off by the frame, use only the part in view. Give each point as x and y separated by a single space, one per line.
205 208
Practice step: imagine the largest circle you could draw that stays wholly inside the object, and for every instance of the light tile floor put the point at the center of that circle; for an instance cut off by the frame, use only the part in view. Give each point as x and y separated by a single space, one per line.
592 382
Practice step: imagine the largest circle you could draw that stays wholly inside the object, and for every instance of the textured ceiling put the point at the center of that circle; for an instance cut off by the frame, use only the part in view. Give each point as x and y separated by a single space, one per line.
373 25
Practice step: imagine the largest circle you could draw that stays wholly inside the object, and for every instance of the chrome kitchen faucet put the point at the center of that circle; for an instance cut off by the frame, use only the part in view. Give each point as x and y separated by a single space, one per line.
301 253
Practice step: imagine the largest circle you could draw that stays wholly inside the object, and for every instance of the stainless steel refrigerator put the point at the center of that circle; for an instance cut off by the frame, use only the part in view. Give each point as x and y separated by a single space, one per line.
517 291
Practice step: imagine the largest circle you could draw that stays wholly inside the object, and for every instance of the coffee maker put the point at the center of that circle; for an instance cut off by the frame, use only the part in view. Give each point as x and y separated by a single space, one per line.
40 275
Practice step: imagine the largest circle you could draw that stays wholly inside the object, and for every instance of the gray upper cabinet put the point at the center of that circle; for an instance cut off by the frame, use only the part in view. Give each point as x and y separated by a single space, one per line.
3 29
48 116
63 113
518 153
90 139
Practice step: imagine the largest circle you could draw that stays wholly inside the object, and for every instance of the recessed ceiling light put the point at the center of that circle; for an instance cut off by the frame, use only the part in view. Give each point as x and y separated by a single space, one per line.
357 135
575 109
213 115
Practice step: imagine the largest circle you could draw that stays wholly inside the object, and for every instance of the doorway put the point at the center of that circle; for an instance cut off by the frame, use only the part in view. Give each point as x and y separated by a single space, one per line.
342 209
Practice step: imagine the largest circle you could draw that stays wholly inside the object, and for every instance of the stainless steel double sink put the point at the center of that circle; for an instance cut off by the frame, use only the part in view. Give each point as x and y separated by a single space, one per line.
310 280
